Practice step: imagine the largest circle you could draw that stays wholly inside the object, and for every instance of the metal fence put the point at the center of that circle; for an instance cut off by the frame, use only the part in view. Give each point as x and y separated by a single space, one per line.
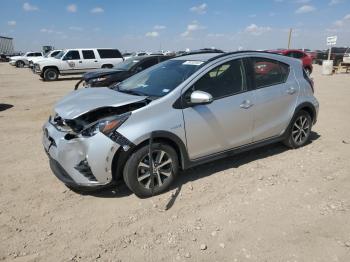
6 45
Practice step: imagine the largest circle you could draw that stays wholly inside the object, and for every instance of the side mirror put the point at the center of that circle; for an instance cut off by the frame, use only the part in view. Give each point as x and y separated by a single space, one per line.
201 98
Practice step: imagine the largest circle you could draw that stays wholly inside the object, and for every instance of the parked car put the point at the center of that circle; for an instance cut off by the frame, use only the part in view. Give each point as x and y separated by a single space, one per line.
33 60
77 61
21 61
337 54
346 57
122 71
4 58
306 59
128 55
180 113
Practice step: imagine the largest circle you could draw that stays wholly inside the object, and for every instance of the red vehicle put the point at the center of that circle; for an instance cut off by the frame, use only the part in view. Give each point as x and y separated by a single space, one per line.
304 57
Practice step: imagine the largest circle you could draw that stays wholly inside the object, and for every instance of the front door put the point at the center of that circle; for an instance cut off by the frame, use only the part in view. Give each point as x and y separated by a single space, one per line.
226 122
72 62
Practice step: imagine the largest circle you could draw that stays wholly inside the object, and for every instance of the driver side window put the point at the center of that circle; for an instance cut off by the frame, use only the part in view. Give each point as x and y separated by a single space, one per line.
72 55
224 80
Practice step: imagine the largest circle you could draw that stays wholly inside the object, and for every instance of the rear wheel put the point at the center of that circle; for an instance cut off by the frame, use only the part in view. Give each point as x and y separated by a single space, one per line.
299 130
137 174
50 74
107 66
20 64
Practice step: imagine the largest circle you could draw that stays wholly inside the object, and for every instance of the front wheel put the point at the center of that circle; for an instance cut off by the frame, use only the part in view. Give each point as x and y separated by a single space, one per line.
137 174
50 74
20 64
299 130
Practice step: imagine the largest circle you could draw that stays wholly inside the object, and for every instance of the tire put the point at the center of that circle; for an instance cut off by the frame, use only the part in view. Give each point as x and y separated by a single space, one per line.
298 137
20 64
135 170
50 74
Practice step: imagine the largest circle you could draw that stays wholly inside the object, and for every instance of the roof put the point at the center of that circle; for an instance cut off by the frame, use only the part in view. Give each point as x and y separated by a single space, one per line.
197 57
6 37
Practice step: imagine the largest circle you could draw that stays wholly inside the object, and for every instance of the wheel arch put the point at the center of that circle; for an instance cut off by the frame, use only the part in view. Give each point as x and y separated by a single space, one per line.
50 66
107 66
308 107
121 156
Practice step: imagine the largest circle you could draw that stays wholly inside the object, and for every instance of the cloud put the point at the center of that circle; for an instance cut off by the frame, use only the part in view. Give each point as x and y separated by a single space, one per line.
302 1
152 34
341 22
305 9
28 7
253 29
45 30
200 9
72 8
334 2
194 26
97 10
75 28
11 23
159 27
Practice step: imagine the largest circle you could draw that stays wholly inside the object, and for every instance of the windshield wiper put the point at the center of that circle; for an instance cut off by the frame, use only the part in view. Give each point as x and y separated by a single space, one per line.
131 92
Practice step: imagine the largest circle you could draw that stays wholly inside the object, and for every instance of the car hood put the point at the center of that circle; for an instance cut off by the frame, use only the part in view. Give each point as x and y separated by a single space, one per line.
100 72
84 100
48 61
17 57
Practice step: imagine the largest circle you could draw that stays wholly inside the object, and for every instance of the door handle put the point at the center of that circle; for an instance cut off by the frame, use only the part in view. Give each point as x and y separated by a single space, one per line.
246 104
80 62
95 61
291 90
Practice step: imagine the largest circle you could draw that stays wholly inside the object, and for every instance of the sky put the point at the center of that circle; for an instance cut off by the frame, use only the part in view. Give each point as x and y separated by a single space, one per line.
152 25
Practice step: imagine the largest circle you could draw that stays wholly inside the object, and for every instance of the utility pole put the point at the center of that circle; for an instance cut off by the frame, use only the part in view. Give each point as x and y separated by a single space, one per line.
290 37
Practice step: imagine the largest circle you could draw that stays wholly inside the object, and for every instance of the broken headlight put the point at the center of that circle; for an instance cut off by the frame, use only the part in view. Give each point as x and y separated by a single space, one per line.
106 125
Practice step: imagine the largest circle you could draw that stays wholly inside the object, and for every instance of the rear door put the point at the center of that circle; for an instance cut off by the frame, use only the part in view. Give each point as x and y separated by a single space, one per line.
89 60
275 97
226 122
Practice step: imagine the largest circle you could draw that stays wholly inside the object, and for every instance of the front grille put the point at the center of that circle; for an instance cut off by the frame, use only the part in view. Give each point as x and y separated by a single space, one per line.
84 169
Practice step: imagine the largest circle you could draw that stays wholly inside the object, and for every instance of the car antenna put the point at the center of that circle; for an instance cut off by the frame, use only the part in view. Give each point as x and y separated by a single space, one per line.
151 165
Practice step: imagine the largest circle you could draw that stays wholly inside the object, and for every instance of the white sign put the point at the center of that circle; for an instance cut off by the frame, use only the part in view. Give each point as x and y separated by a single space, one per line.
331 40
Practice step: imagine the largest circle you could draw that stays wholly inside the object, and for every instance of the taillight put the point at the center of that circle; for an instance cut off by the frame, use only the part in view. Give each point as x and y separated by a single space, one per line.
309 80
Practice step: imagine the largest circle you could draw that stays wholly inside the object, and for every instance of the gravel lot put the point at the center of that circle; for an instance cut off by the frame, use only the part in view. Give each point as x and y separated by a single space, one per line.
271 204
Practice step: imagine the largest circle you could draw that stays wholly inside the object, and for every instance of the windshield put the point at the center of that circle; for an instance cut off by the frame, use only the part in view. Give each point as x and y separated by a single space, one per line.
127 64
59 55
160 79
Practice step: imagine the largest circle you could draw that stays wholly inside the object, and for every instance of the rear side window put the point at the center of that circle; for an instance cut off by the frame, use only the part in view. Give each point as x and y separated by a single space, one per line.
38 54
30 54
88 54
72 55
269 72
224 80
109 53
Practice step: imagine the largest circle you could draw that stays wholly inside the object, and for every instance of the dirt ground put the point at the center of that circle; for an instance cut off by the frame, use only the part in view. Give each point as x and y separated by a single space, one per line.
271 204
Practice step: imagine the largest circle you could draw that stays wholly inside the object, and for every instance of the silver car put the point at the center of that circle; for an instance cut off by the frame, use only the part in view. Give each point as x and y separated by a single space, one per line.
178 114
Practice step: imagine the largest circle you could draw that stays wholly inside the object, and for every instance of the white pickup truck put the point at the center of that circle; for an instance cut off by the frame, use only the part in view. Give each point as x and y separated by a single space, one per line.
33 60
77 61
21 61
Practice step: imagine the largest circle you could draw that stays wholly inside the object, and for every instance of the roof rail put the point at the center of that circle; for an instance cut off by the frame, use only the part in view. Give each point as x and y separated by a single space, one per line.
239 52
197 52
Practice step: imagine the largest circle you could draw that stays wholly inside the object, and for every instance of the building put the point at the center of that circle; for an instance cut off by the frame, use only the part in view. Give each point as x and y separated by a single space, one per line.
6 45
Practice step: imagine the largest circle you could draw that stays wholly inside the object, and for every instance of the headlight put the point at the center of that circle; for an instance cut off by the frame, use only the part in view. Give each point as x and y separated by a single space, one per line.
106 126
99 79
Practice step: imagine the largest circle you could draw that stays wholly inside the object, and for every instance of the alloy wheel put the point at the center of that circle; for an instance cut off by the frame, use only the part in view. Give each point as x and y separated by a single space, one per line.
162 169
301 130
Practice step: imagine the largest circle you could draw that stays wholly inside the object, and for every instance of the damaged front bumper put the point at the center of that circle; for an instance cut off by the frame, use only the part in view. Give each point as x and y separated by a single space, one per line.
82 162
